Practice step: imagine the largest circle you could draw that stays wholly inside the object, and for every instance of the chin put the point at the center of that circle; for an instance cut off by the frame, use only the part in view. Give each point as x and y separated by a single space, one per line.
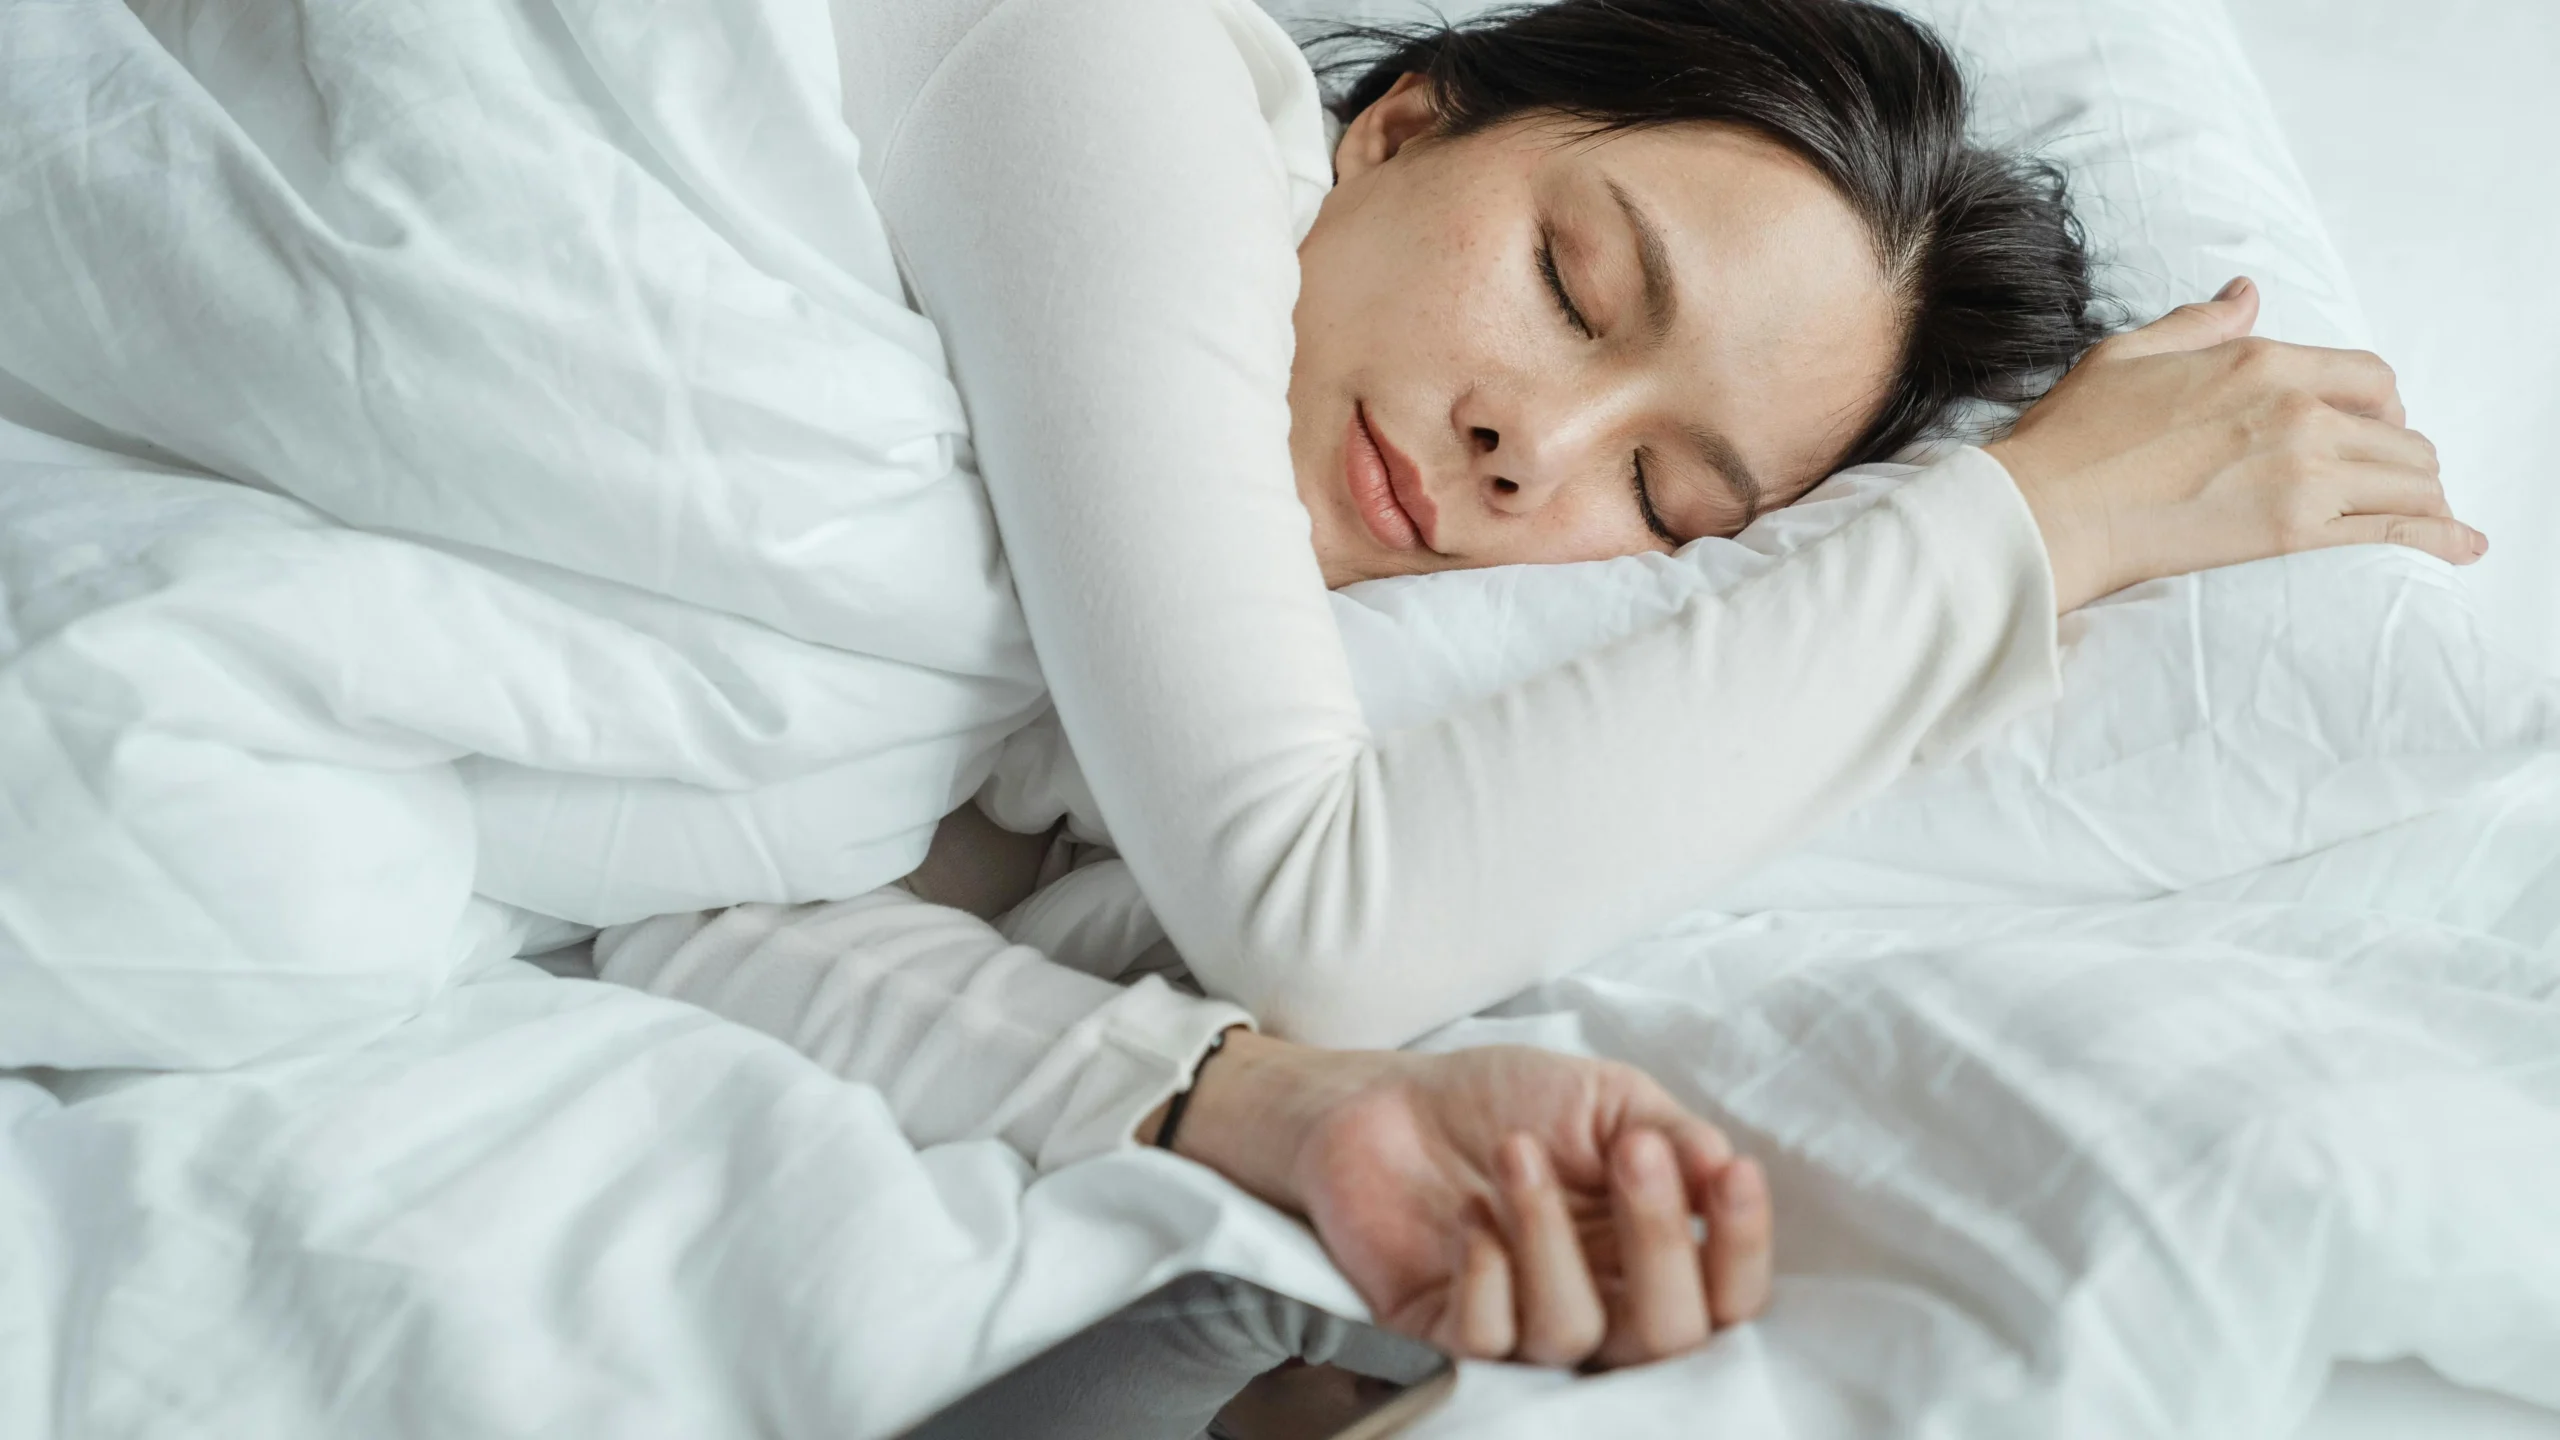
1340 570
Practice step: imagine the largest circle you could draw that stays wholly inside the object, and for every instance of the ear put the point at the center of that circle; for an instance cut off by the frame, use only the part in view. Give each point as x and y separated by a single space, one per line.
1404 114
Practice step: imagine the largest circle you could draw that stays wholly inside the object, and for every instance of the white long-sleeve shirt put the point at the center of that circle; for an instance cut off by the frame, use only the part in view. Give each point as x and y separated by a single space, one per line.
965 1033
1098 201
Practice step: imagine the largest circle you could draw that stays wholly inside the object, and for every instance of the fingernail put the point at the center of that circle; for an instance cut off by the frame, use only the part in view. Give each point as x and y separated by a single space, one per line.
2238 284
2479 543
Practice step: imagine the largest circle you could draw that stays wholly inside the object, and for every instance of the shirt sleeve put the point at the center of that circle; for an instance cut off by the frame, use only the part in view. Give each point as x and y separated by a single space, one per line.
965 1034
1087 199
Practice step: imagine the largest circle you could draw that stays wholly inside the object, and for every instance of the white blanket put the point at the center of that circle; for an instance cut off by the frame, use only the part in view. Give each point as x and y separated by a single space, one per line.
698 599
2116 1170
666 496
559 1208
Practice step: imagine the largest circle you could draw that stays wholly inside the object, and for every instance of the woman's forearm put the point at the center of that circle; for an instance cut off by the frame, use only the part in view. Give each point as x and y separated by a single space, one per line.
965 1034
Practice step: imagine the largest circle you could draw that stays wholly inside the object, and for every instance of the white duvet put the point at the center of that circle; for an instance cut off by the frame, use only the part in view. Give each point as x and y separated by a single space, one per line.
2113 1082
680 589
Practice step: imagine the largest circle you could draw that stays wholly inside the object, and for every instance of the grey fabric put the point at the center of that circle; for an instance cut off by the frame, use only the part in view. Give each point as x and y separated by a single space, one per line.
1162 1368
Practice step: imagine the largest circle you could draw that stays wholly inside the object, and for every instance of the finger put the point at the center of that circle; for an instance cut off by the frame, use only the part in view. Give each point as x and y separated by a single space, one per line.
1662 1303
1561 1321
1699 1149
2361 437
2440 536
1478 1323
2358 382
2365 488
1740 1228
1702 1150
2228 316
1705 1155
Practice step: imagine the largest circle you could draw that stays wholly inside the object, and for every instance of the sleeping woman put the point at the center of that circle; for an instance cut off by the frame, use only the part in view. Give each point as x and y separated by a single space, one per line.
1569 283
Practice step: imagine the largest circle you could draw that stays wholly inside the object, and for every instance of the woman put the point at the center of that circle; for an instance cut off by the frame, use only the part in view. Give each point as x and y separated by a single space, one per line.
1586 281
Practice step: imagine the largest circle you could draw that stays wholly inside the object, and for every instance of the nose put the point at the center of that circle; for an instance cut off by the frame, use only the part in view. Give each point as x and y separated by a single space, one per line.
1524 450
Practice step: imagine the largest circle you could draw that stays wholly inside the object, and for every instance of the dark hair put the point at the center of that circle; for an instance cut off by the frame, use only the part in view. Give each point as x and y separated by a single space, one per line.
1980 246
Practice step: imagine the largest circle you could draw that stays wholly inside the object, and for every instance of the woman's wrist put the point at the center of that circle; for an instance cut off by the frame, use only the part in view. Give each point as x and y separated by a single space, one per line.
2076 540
1254 1103
1152 1130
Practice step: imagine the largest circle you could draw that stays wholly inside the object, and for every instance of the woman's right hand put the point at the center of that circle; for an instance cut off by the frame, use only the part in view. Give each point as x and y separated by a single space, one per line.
1501 1202
2188 444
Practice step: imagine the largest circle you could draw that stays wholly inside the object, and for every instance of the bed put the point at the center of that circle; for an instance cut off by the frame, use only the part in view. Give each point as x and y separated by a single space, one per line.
2186 1043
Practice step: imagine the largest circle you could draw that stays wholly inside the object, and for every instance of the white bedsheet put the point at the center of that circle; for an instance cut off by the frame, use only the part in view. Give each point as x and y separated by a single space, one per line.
2136 1170
2404 1398
2052 1159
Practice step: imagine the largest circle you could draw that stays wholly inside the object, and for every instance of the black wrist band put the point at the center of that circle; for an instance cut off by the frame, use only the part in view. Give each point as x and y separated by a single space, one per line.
1182 1098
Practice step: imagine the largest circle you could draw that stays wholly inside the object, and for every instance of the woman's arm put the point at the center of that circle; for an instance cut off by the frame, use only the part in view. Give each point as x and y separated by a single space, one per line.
1452 1189
964 1033
1099 224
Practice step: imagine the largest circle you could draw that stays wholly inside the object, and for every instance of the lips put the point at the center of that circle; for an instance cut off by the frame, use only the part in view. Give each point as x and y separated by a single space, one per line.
1386 488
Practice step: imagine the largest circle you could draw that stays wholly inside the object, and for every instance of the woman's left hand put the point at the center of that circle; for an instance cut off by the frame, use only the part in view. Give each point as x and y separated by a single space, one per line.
1500 1203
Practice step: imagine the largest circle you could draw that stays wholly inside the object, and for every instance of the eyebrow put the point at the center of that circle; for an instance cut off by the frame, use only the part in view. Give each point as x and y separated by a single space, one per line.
1727 461
1661 301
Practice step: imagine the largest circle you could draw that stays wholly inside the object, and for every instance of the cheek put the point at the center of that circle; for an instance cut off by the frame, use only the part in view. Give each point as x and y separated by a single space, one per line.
1591 522
1478 281
1430 287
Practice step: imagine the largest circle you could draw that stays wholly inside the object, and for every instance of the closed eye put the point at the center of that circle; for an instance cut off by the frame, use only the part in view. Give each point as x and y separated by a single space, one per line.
1548 271
1555 286
1644 505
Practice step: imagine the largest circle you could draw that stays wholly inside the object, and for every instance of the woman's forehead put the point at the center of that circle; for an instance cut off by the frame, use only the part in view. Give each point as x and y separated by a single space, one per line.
1784 321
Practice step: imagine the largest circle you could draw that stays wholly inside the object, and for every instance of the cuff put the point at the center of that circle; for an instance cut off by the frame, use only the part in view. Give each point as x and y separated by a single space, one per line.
1147 1043
2000 595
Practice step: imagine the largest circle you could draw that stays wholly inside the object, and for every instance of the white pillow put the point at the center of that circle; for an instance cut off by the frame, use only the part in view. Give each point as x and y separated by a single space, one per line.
2209 726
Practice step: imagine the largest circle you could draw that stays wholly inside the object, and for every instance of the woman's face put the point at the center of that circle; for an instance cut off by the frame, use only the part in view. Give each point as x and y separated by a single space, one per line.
1526 346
